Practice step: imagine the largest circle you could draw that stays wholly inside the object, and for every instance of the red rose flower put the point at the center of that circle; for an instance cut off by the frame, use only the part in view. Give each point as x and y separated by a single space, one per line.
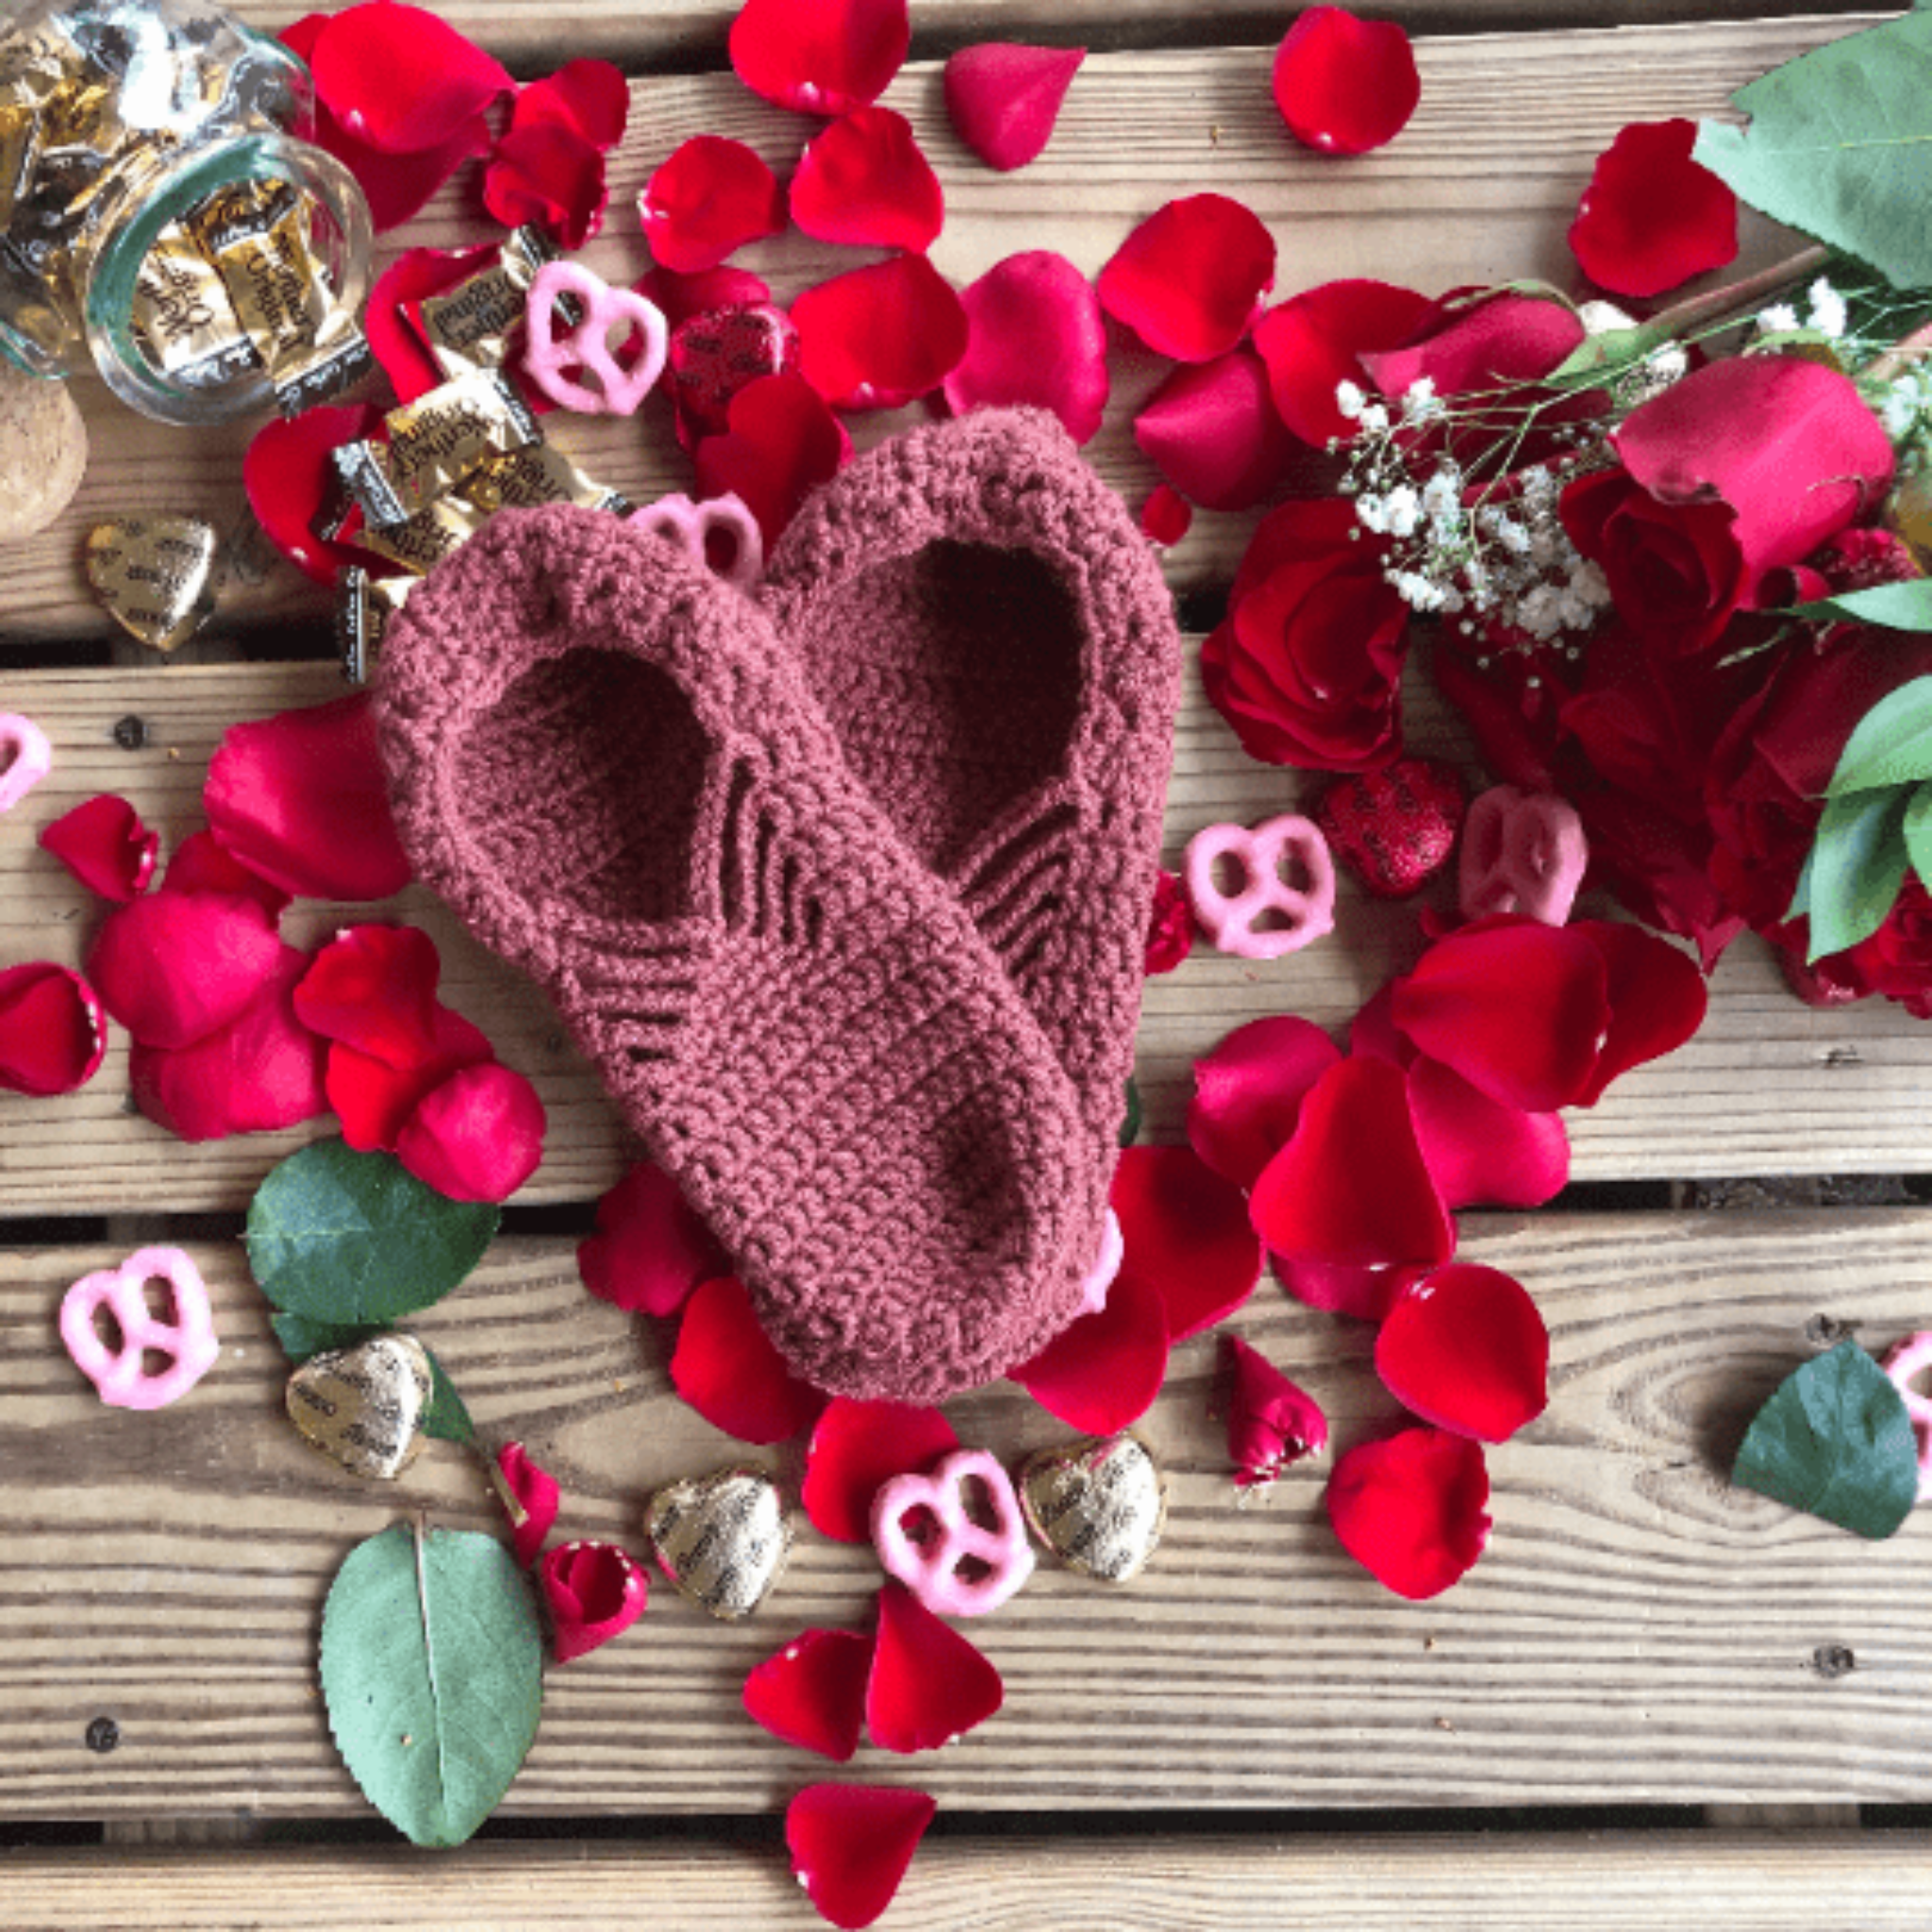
1897 959
1308 666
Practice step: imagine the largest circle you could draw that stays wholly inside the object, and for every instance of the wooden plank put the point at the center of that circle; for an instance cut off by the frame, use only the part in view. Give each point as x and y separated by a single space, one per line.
1481 187
1769 1085
1666 1882
1638 1630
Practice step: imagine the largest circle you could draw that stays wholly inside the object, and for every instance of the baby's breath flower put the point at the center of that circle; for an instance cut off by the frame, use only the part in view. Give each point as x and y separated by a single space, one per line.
1349 399
1372 514
1828 313
1403 509
1780 319
1374 418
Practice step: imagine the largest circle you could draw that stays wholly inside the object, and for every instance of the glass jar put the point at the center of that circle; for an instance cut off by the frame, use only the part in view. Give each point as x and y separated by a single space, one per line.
121 120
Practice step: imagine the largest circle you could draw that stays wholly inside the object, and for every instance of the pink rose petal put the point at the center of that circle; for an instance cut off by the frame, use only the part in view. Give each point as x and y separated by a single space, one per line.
1413 1509
172 967
709 199
1481 1151
548 174
651 1248
1103 1371
856 1446
1004 98
104 845
783 442
822 56
1366 1294
1314 341
399 78
1035 338
1248 1093
876 338
374 1099
928 1684
53 1033
1651 218
1657 1000
850 1845
1345 84
374 988
726 1367
200 864
1166 517
812 1693
478 1137
591 96
1271 1423
1188 281
534 1492
290 480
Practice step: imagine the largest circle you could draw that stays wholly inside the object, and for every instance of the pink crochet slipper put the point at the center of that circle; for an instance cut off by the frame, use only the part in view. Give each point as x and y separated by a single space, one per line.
609 766
994 644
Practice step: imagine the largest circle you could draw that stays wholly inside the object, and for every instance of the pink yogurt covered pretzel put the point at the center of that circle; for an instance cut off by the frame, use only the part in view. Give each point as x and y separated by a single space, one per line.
690 526
187 1338
1302 913
26 757
587 346
1902 1361
935 1570
1521 852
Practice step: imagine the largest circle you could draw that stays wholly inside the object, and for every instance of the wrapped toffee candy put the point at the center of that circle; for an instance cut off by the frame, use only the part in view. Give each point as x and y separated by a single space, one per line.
435 443
469 327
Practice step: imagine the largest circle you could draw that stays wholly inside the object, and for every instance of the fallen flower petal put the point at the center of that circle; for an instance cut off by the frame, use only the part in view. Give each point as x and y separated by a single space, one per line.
857 1445
1036 337
850 1845
1271 1423
374 988
549 175
681 298
822 56
1657 1000
530 1498
1366 1294
1314 341
1248 1093
929 1685
401 80
478 1137
291 481
53 1034
1103 1371
201 864
1345 86
593 1591
172 967
879 337
652 1248
395 339
1213 431
1413 1509
591 96
1467 1350
1188 281
1652 217
1166 517
1169 927
104 845
864 182
1004 98
1185 1228
1480 1151
726 1367
812 1693
783 442
374 1099
709 199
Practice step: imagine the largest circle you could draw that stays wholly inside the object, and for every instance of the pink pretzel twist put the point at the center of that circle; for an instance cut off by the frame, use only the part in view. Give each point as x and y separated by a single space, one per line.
1304 912
1521 852
690 526
934 1570
26 757
1902 1361
587 346
188 1339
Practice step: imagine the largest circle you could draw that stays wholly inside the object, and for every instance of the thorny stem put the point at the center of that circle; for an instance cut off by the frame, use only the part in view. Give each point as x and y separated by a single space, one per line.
1903 353
1716 306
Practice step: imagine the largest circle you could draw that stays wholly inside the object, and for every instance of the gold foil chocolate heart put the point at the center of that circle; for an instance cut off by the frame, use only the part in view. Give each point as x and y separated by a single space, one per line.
723 1539
363 1406
155 575
1099 1504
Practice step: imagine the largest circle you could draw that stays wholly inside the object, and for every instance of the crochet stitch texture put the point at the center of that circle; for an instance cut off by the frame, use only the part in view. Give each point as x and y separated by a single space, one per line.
612 768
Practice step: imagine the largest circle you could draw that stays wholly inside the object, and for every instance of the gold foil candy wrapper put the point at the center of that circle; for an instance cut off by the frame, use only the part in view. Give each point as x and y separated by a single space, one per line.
364 1406
364 606
430 536
469 327
534 475
435 441
1098 1504
723 1539
184 318
156 576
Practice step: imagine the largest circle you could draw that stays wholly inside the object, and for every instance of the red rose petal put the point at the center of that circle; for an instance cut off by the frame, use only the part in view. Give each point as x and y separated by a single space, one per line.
1517 1007
291 481
536 1496
726 1367
374 1100
547 173
709 197
1248 1093
1170 926
1211 430
401 80
851 1845
783 442
395 339
928 1685
1506 338
201 864
590 96
1413 1509
876 338
478 1137
823 56
1188 281
1652 217
812 1693
1166 517
1035 338
651 1248
104 845
374 988
681 298
1657 1000
1345 84
172 967
300 798
1103 1371
262 1072
1467 1350
1314 341
53 1034
857 1445
593 1591
864 182
1271 1423
397 186
1185 1229
1365 1293
1004 98
1481 1151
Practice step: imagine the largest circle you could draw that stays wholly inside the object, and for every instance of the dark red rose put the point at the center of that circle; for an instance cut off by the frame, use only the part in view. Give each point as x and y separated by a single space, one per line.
1307 665
1897 959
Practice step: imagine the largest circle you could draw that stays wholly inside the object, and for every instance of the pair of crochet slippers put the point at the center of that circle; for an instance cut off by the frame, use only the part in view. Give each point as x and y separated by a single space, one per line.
845 889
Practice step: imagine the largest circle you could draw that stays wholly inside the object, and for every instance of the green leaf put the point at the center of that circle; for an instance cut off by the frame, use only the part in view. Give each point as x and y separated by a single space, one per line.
1130 1120
432 1671
1891 745
1597 358
1800 906
449 1419
301 1338
1835 1439
1858 864
355 1240
1840 146
1892 606
1918 830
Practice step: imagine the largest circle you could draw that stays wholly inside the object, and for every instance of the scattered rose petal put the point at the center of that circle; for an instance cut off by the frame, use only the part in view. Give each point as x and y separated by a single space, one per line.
928 1685
1502 339
52 1031
172 967
1345 84
851 1845
822 56
478 1137
1314 341
290 480
1367 1294
374 988
1169 927
783 442
1271 1423
1467 1350
593 1591
1004 98
726 1367
401 80
651 1247
1103 1371
864 182
1483 1151
681 298
1413 1509
1652 217
104 845
1657 1000
374 1099
300 798
535 1497
1185 1228
1248 1093
812 1693
1188 281
1035 338
549 176
709 197
199 864
591 96
261 1072
1213 431
1166 517
396 343
857 1445
876 338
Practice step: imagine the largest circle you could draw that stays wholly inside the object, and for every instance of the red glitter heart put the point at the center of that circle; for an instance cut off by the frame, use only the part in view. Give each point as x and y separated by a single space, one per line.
1395 828
713 356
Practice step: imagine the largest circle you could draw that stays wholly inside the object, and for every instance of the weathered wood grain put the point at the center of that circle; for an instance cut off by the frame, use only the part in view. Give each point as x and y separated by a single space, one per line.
1481 187
1666 1882
1769 1086
1637 1631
